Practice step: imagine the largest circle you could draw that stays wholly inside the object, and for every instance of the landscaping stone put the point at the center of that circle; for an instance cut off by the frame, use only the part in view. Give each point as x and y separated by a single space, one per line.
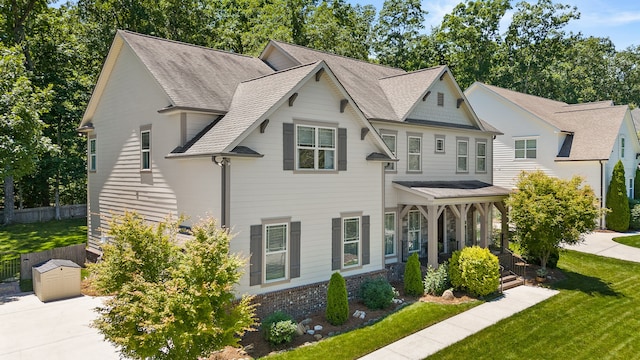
301 329
311 332
317 336
306 321
448 295
317 328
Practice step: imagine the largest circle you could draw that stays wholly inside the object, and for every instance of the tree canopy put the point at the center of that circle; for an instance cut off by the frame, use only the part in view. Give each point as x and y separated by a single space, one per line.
548 212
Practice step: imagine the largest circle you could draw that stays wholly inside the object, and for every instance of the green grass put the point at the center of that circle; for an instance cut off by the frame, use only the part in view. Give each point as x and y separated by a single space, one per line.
360 342
633 240
596 315
26 238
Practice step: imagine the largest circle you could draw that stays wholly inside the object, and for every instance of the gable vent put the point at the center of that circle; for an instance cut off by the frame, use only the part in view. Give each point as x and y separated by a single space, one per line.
440 99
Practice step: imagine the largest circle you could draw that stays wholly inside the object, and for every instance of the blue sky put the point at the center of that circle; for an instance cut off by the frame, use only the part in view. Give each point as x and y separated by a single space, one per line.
618 20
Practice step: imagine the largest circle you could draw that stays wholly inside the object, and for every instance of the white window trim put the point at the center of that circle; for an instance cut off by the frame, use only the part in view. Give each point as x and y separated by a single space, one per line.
525 139
93 155
394 232
478 156
143 150
409 154
358 242
458 155
391 166
439 138
316 148
409 231
265 252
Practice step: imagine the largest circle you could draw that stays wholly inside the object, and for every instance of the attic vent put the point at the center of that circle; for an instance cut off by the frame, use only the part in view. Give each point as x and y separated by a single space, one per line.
440 99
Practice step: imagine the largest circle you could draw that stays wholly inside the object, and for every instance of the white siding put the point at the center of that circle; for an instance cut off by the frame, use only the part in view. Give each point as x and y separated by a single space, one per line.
449 113
277 60
261 189
197 122
131 100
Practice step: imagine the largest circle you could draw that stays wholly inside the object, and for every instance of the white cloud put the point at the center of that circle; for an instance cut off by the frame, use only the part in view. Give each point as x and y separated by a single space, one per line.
437 10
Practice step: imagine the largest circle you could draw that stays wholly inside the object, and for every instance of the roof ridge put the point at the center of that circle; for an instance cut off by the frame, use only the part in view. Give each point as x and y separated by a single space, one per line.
337 55
186 44
592 102
522 93
281 71
590 109
413 72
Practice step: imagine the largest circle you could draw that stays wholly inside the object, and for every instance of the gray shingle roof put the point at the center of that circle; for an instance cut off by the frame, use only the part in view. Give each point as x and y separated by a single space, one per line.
454 189
252 100
403 91
595 125
635 114
54 264
359 78
194 76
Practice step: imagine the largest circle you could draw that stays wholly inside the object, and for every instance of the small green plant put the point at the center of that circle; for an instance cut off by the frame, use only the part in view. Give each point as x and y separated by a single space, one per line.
634 222
376 293
413 277
337 311
475 270
436 281
542 272
279 328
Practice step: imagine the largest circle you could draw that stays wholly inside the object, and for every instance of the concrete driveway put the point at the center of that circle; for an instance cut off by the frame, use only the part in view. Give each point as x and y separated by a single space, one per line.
601 243
30 329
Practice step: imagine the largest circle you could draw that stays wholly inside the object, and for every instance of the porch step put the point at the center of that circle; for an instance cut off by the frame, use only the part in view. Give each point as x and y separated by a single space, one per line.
510 281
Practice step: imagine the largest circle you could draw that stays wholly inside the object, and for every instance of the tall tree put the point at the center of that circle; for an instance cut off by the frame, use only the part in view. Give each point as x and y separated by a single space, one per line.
21 138
617 201
397 32
470 39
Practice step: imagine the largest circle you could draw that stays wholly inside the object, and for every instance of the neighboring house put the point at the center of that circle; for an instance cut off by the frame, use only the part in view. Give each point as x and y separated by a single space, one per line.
560 139
317 163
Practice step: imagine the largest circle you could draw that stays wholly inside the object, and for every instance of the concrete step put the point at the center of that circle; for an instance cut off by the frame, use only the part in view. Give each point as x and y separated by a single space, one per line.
511 283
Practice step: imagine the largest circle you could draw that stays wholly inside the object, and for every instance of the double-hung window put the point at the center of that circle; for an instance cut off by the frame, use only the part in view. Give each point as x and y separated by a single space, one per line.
92 154
145 149
526 148
462 156
414 231
481 156
316 147
414 153
350 241
389 233
276 252
390 140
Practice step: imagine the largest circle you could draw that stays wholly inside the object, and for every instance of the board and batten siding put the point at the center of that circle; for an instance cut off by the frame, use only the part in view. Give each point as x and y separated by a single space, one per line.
130 101
261 189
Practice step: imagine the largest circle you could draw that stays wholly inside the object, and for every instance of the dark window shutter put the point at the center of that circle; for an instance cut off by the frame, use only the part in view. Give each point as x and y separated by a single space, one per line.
366 253
255 247
342 149
336 243
294 250
288 146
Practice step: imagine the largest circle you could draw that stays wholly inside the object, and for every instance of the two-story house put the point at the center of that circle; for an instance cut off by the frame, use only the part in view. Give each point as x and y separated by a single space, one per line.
560 139
317 163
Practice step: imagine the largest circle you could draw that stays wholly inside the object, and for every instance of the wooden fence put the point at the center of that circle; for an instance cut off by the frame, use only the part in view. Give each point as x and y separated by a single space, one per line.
75 253
32 215
9 266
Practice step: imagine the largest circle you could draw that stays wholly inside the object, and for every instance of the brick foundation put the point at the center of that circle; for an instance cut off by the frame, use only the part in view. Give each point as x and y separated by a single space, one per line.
303 301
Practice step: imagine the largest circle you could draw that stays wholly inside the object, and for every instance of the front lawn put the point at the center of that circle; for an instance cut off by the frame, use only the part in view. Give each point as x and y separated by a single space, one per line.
357 343
633 240
595 316
27 238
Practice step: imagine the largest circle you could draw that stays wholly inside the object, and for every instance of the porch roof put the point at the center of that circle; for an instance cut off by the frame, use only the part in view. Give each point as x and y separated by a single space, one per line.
453 191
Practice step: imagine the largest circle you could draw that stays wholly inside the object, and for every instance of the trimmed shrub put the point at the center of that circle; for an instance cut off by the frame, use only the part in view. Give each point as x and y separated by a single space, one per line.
413 277
376 293
479 271
617 201
279 328
436 281
455 272
636 185
634 223
337 311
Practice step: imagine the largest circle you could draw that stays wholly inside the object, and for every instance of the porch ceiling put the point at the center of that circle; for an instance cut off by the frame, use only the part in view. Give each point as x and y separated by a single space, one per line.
448 192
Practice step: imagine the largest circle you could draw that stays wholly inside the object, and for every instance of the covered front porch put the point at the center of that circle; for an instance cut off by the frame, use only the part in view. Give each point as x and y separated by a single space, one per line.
437 218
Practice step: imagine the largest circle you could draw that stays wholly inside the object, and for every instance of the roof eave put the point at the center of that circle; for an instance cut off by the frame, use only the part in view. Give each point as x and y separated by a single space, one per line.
172 109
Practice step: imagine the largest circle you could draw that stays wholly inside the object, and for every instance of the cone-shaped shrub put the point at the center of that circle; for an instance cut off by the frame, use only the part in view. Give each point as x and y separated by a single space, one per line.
337 312
413 277
636 185
617 201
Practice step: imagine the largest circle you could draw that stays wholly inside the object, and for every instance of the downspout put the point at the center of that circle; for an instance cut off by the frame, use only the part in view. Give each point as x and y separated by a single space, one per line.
225 190
602 194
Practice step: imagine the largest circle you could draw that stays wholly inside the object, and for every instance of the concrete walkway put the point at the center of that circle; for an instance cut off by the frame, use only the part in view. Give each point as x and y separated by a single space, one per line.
437 337
600 243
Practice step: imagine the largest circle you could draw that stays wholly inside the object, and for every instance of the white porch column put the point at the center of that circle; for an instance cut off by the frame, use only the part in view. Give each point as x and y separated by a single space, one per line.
483 209
461 235
432 237
504 224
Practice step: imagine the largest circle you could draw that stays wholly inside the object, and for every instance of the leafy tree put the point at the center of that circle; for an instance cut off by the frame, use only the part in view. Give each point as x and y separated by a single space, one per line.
470 39
337 311
413 277
548 212
397 32
21 127
170 303
617 201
